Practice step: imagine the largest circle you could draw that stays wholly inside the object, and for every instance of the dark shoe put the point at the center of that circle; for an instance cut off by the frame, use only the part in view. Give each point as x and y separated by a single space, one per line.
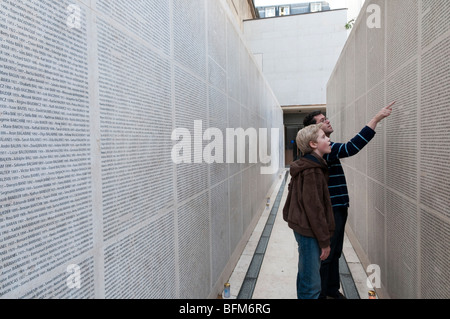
338 295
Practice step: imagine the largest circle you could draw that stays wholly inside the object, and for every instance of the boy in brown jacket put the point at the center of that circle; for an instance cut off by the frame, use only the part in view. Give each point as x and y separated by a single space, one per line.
308 209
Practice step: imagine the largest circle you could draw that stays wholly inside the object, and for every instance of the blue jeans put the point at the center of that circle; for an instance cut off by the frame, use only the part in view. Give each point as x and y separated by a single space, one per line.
308 277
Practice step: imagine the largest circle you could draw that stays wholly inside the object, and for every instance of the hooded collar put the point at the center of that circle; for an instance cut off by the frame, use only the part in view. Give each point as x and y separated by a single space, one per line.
307 162
315 158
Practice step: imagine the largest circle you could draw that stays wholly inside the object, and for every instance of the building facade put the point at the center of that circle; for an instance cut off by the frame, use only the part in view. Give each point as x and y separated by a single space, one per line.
297 54
292 9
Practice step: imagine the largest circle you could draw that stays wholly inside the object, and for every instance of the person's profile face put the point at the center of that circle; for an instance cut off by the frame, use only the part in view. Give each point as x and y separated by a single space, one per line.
323 143
326 127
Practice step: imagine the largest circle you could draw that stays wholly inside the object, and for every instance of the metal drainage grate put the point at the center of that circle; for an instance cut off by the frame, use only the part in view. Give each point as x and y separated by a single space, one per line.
248 286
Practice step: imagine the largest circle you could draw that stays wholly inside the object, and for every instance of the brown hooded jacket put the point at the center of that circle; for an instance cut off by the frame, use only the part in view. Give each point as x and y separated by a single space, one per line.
308 208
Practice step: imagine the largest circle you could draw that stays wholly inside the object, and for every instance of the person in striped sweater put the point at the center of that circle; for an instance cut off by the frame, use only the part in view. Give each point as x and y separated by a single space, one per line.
337 185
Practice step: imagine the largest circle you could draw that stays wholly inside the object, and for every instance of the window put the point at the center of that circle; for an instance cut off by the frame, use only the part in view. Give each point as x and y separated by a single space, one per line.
270 12
285 11
316 7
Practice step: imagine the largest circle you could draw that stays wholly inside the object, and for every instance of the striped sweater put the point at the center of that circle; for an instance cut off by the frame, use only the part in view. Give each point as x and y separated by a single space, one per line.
337 183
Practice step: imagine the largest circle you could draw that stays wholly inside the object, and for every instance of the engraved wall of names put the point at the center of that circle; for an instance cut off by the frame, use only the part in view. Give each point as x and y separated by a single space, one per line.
399 185
90 92
45 162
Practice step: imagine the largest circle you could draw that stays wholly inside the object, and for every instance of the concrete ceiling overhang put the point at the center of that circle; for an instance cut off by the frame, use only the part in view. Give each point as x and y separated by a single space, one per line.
303 108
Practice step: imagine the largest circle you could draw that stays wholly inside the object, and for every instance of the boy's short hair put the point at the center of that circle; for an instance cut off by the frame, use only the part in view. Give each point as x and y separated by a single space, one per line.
306 135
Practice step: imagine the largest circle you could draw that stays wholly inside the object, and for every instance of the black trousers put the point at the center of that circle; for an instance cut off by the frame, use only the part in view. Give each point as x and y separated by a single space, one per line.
329 268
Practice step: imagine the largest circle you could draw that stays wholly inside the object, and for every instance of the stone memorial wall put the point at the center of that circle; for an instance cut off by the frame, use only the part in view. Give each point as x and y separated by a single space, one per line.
91 203
400 184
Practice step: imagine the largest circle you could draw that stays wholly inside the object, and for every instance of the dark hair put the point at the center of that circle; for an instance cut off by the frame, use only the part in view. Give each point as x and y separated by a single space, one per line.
310 118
